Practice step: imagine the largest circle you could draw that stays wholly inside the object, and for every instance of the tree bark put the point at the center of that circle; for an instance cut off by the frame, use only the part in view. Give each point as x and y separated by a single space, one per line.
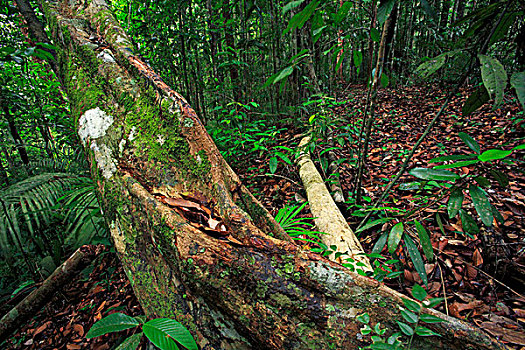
195 244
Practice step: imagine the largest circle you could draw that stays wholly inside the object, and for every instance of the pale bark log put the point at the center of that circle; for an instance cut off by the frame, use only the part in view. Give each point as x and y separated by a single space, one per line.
328 218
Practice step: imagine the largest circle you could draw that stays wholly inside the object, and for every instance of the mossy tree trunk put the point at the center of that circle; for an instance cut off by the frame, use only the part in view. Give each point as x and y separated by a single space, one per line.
195 244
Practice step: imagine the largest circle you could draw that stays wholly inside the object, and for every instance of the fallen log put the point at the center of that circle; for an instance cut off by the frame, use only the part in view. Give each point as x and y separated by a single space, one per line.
31 304
327 216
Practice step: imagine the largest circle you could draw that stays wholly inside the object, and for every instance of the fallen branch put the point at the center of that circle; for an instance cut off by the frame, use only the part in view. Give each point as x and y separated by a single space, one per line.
39 297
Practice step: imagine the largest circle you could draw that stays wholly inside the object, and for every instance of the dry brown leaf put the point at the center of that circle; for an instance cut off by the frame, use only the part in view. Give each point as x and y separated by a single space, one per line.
79 329
179 202
101 306
42 328
477 259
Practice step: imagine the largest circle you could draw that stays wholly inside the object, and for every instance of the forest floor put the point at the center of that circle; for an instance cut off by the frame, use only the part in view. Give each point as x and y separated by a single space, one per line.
478 274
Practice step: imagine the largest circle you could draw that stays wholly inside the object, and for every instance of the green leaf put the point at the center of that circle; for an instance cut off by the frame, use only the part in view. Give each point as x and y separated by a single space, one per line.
425 241
522 146
457 164
434 174
291 5
455 201
517 80
482 204
395 237
476 100
469 141
130 343
343 12
412 305
503 27
364 318
494 77
112 323
380 243
299 19
384 9
284 73
163 331
433 302
371 224
273 165
494 154
425 332
500 177
468 223
409 316
415 256
440 223
482 181
430 318
374 35
406 329
384 80
418 292
431 66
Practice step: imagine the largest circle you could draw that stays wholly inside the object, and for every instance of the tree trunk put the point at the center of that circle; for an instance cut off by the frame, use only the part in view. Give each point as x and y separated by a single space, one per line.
195 244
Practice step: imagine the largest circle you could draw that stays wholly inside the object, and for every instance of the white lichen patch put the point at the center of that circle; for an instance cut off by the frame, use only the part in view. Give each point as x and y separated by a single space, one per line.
121 146
337 281
133 133
93 124
160 139
104 158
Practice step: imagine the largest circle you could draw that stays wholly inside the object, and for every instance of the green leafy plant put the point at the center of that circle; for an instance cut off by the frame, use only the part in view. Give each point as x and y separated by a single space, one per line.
410 326
32 209
165 333
299 228
471 183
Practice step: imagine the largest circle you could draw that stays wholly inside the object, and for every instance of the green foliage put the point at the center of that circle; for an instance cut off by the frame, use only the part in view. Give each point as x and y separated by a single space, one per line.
49 215
238 136
485 163
165 333
410 323
297 227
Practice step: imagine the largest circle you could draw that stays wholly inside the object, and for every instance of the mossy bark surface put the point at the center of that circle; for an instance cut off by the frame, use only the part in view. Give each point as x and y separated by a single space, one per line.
252 287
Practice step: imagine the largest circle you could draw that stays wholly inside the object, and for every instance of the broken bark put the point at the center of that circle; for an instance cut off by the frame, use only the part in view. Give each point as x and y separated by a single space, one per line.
31 304
247 286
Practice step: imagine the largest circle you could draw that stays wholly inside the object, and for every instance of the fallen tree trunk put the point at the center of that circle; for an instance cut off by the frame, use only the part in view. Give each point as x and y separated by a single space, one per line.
328 218
31 304
195 244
